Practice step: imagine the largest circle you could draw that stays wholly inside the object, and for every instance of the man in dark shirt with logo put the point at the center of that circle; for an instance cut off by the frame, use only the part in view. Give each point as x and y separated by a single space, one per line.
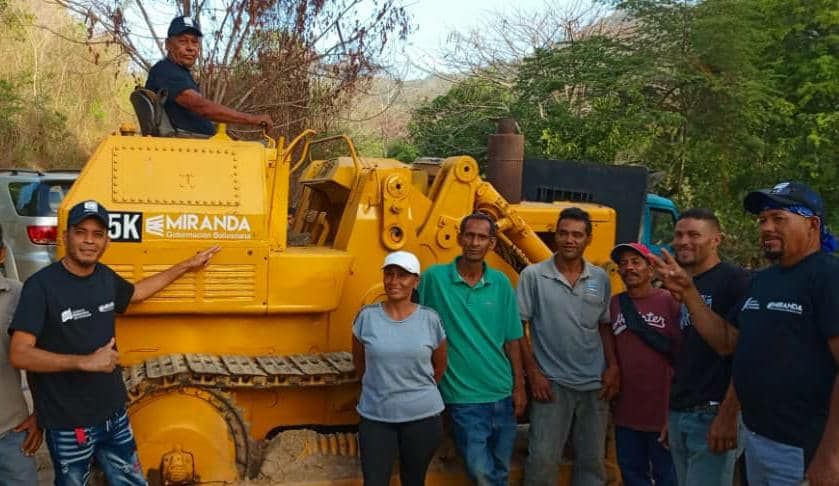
188 110
63 335
787 335
702 424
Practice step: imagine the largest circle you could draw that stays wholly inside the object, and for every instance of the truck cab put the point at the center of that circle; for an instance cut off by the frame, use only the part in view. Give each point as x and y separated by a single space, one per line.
658 223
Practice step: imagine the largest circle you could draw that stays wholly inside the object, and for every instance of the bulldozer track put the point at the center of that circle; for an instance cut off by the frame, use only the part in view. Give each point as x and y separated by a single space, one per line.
237 371
237 426
211 377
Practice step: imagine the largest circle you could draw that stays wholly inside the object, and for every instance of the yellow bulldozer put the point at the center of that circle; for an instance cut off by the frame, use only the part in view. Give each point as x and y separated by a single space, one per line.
256 346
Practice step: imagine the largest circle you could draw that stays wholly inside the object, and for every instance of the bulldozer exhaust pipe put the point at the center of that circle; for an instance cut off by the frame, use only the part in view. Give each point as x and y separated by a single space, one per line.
506 159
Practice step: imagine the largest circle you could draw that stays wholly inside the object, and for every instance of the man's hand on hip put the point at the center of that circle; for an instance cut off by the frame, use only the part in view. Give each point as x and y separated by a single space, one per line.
34 435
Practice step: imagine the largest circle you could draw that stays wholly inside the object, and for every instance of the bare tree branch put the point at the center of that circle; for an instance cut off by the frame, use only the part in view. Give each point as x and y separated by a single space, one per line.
151 27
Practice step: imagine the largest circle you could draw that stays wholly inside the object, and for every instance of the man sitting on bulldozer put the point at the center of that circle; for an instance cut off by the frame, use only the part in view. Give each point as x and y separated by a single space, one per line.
187 108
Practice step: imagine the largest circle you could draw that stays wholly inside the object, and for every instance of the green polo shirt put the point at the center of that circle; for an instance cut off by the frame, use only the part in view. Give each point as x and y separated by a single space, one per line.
478 321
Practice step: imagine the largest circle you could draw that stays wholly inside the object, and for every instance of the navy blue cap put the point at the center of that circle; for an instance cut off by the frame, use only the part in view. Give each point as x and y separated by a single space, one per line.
182 25
785 194
87 209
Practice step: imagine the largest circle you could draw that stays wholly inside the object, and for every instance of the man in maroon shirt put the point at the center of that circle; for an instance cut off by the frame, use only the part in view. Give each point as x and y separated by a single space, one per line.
644 351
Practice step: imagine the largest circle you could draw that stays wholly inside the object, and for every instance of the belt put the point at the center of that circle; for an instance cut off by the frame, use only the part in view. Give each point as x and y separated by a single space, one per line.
712 407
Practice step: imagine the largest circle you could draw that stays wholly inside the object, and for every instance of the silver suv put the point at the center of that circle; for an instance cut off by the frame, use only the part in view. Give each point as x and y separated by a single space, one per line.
29 202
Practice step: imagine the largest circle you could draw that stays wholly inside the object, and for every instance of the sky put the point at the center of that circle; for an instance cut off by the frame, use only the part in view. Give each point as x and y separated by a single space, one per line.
433 21
436 19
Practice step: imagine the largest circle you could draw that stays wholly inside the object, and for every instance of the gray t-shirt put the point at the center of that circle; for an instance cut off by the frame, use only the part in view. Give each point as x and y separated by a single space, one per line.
398 383
564 322
13 409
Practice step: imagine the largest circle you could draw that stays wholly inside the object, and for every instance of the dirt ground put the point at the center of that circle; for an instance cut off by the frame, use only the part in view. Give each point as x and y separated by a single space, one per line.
301 456
42 458
291 457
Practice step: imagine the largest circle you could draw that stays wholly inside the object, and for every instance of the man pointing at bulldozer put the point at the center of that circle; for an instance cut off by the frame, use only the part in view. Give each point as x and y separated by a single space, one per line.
63 335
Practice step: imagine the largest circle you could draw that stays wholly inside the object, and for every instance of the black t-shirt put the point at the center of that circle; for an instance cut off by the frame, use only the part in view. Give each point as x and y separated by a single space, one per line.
69 314
783 368
175 79
701 375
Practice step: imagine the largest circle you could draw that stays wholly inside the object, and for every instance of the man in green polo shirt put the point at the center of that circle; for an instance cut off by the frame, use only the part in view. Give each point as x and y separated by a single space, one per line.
483 386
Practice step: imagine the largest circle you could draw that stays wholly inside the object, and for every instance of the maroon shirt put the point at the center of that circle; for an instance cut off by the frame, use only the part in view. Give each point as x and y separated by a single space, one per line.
646 374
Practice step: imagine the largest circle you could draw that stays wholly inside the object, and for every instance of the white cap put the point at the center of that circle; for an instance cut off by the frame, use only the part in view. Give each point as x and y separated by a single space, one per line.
404 260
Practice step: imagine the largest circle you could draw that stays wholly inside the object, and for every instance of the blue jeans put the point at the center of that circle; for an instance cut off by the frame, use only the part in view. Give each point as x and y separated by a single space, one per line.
695 464
111 443
643 459
15 468
550 424
484 434
772 463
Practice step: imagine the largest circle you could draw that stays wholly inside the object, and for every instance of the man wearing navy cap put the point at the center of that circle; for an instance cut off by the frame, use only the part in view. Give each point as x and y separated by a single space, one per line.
787 340
188 110
63 336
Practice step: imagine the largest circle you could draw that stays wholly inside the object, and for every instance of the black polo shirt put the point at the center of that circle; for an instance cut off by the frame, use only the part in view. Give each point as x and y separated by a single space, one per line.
69 314
175 79
701 375
783 368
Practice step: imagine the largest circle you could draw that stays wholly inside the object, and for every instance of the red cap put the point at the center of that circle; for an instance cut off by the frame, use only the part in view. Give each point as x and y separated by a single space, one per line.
639 248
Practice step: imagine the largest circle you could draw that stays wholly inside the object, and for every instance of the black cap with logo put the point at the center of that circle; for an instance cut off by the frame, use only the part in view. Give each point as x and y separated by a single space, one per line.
785 194
87 209
181 25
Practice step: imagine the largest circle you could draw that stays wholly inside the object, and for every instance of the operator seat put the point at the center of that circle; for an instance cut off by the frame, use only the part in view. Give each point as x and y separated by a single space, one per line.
154 121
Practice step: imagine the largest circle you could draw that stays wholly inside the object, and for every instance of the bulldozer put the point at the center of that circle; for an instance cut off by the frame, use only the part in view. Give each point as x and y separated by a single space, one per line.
255 346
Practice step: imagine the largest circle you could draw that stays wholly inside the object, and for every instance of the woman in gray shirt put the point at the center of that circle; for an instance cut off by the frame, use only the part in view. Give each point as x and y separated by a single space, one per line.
400 349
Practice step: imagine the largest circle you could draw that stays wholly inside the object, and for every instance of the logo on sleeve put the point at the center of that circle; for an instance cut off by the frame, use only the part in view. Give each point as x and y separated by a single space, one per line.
791 307
74 314
107 307
751 304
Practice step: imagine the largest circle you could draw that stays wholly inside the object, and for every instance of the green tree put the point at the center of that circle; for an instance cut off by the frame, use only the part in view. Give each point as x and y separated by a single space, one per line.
802 60
721 96
58 97
459 122
402 150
